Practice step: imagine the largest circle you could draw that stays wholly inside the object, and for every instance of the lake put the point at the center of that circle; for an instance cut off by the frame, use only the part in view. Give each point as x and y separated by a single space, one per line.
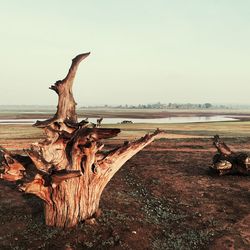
188 119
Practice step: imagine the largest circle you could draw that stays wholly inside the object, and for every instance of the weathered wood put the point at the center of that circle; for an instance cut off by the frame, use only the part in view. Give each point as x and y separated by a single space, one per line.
69 169
83 193
222 148
227 161
11 169
66 104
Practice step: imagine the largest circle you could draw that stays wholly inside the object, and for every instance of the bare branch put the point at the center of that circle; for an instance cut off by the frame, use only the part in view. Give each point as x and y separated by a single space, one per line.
221 146
66 103
116 158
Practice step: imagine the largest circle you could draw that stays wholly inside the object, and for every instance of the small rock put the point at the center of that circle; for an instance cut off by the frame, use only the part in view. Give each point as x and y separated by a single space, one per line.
91 221
133 232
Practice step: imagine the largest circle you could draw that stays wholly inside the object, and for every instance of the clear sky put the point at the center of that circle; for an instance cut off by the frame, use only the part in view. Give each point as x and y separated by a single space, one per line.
182 51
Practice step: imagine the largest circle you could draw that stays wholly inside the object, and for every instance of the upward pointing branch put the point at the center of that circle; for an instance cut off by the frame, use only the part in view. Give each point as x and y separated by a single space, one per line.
66 103
221 146
116 158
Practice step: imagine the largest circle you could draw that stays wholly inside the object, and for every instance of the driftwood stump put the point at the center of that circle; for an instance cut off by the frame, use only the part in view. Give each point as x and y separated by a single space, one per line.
227 161
69 169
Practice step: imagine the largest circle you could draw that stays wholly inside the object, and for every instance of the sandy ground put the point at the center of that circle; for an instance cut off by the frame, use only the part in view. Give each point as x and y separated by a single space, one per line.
171 202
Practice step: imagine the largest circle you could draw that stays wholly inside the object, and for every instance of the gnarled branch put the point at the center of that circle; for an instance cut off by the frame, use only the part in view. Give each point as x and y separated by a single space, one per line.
66 103
221 146
116 158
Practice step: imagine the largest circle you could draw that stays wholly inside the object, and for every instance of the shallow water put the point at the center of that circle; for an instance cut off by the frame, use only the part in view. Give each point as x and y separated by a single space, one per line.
217 118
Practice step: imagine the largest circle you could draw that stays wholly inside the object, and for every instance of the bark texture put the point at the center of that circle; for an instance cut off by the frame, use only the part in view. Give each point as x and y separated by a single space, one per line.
227 161
70 168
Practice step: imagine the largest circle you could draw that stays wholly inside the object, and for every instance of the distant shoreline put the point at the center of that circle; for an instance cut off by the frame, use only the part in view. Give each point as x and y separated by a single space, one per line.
242 115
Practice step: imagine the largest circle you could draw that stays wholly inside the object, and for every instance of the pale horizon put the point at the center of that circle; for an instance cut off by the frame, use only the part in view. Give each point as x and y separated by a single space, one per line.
141 52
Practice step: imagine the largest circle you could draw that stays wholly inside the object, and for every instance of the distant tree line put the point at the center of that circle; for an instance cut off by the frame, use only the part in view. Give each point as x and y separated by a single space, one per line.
159 105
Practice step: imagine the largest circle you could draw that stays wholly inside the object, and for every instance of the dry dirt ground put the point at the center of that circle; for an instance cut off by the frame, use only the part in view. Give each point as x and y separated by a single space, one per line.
163 198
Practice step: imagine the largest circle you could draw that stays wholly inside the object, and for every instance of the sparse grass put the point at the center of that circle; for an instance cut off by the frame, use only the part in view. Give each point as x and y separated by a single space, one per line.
189 240
235 128
28 134
166 214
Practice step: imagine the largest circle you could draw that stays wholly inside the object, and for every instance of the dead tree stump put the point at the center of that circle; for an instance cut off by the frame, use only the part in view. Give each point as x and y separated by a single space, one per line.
227 161
69 169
